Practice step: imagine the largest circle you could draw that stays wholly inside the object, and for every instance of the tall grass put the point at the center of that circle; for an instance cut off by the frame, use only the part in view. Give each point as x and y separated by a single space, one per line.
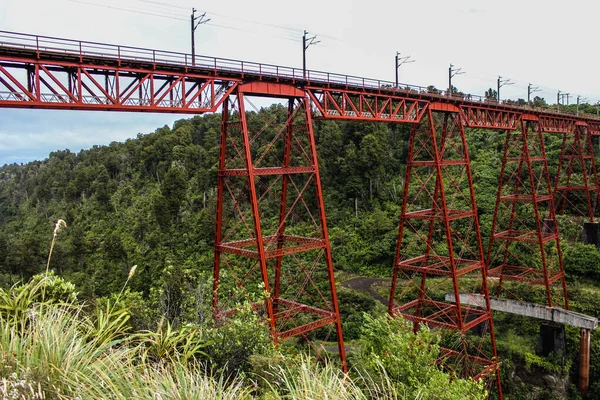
56 352
308 379
110 378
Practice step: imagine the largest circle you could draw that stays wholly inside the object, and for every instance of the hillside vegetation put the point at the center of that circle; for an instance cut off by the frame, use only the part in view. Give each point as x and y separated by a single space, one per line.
150 203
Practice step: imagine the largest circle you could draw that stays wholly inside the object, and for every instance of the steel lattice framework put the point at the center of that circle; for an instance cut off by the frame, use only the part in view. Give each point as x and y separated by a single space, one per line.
576 185
272 247
68 81
439 244
524 243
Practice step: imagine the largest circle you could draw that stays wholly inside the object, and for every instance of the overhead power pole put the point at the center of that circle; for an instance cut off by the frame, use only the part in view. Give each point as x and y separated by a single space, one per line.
531 89
451 74
194 25
502 83
306 42
579 101
399 62
558 101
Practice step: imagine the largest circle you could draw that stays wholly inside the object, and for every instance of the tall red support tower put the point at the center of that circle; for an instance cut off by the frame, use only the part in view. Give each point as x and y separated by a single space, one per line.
439 246
271 243
524 243
576 185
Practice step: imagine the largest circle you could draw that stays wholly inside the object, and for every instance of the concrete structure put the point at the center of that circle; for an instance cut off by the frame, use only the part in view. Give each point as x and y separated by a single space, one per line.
532 310
591 233
556 315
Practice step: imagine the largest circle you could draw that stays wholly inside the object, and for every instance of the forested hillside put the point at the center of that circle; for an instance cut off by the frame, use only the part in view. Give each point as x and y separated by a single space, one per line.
150 202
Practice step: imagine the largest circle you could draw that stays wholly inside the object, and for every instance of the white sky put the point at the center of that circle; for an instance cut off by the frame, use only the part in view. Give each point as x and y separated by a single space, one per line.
548 43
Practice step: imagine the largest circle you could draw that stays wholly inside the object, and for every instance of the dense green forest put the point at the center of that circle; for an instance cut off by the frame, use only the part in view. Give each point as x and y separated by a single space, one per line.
150 203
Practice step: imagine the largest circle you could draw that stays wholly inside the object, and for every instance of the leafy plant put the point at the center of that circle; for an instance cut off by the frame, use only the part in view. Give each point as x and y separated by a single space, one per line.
182 345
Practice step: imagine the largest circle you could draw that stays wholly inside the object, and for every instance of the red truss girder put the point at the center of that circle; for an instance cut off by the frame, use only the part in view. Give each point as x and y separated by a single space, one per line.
557 124
489 118
269 183
349 97
576 177
594 128
363 106
56 84
439 240
524 243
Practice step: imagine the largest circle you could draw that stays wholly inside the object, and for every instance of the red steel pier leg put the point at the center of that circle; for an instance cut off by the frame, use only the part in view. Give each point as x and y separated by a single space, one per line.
524 244
439 245
576 185
272 248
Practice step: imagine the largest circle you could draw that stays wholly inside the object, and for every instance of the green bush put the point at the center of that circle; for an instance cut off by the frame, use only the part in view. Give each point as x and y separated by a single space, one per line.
581 261
409 361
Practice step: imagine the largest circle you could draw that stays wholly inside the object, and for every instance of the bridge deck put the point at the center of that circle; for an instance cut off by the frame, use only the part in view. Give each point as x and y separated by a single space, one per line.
18 48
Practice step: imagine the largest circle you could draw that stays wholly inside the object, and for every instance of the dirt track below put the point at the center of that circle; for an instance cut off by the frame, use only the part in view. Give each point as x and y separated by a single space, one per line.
364 285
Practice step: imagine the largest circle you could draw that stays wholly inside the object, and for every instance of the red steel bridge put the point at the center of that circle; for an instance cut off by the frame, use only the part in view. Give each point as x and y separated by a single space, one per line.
272 247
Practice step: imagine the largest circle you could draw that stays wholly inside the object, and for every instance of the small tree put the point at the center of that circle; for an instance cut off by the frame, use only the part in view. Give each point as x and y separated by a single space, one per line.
491 95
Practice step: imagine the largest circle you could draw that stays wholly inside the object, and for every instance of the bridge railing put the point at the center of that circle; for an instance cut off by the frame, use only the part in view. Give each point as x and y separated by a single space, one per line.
86 49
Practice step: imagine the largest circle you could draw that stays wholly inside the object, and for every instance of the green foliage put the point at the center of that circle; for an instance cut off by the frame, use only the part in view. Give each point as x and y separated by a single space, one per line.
48 344
150 201
234 342
109 323
55 288
126 380
142 316
409 361
59 355
18 300
533 360
183 344
582 261
307 379
353 307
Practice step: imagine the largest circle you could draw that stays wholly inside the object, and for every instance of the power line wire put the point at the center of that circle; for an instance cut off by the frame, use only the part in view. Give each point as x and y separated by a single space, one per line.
183 19
163 4
257 23
252 32
127 9
282 27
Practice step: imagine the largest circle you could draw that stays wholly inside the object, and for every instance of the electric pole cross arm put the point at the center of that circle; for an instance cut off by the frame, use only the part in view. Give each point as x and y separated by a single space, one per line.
531 89
306 43
201 20
502 82
580 100
399 62
451 74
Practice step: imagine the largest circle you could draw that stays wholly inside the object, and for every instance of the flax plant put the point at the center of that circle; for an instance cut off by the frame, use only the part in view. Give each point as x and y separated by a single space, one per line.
60 224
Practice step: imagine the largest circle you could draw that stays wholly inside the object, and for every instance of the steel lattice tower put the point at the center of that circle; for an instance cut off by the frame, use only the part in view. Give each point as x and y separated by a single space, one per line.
440 249
524 243
272 247
576 185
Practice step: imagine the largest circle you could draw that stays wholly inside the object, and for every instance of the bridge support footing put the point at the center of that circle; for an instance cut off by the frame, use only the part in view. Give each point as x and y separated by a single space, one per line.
584 361
591 233
552 340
